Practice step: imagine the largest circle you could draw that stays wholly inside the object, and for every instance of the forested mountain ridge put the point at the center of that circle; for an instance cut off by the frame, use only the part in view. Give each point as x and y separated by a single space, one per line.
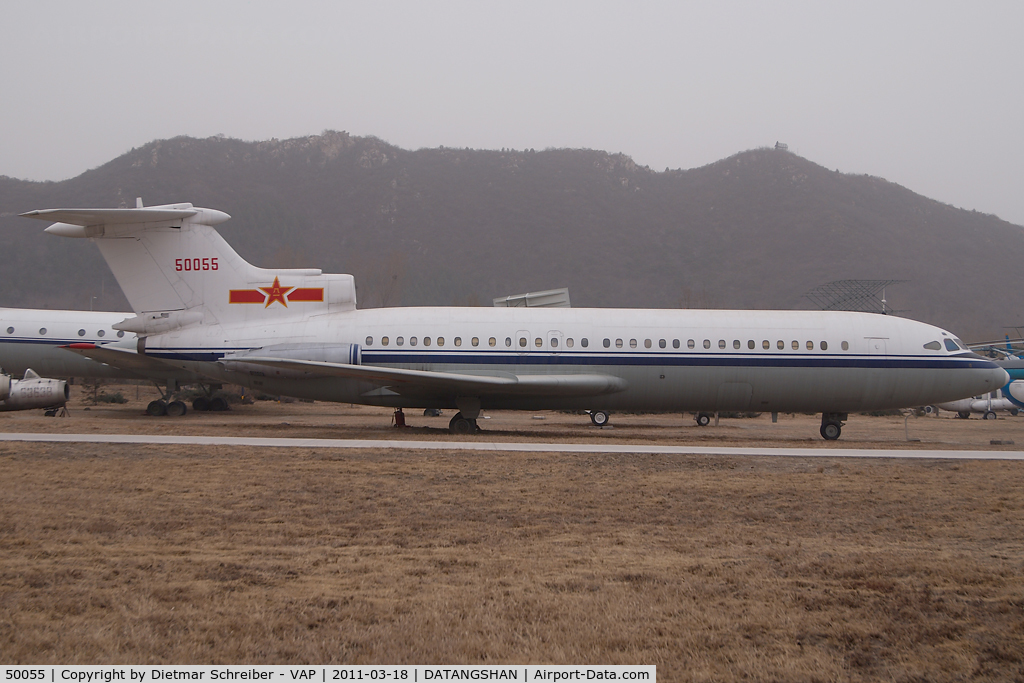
460 226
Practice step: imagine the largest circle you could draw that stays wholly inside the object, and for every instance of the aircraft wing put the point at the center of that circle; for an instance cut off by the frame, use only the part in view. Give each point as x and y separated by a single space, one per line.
124 359
429 383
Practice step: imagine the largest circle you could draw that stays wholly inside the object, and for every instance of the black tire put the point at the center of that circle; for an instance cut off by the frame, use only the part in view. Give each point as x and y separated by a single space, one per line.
176 408
830 431
989 415
964 415
201 404
1014 411
703 419
156 408
460 425
600 417
218 404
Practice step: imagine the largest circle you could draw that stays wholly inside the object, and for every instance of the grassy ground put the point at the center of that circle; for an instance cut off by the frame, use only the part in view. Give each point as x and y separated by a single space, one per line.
713 568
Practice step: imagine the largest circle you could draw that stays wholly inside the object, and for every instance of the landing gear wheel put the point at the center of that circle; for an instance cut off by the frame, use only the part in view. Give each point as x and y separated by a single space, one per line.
176 408
964 415
156 408
201 404
830 431
703 419
1014 411
218 404
461 425
989 415
599 417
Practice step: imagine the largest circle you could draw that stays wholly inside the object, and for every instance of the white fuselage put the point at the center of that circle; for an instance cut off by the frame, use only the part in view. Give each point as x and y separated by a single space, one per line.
670 360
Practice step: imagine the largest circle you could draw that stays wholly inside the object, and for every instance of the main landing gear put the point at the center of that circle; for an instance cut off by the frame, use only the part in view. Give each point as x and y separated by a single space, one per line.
463 425
600 417
164 405
832 425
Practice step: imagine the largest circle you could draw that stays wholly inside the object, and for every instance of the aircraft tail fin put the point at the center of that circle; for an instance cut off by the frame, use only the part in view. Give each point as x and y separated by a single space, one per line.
177 270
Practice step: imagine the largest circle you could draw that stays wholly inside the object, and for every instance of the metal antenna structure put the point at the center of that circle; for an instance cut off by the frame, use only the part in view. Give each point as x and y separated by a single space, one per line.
852 295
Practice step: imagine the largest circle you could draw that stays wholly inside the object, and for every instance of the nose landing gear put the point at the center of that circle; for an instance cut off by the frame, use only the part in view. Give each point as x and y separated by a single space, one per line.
832 425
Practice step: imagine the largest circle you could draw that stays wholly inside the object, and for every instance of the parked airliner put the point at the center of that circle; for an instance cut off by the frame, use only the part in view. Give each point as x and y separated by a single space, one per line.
202 309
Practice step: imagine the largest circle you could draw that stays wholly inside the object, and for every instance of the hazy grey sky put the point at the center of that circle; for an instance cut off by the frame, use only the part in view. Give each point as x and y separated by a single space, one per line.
925 94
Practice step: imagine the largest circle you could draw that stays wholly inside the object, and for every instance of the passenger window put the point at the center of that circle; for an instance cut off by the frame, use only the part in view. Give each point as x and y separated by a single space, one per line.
508 341
675 343
721 343
384 341
369 340
120 333
400 340
81 333
42 330
846 346
554 342
661 343
750 344
10 330
426 341
522 342
810 346
458 341
412 341
950 344
440 341
707 343
475 341
101 332
647 343
607 343
492 341
766 345
824 346
690 344
632 343
735 343
538 342
584 342
568 342
781 344
618 343
796 345
931 346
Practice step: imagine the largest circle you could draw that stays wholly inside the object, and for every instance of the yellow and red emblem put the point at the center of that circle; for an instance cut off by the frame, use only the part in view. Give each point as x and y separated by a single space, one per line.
275 292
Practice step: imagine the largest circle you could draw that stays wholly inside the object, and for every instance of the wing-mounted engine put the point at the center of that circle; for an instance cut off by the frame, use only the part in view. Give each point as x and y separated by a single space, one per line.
31 392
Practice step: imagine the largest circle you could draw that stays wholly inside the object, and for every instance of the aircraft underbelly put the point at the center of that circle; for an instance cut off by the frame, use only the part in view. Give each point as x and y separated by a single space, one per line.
660 388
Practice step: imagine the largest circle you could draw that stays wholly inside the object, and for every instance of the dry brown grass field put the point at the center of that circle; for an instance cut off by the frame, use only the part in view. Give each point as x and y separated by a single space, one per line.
711 567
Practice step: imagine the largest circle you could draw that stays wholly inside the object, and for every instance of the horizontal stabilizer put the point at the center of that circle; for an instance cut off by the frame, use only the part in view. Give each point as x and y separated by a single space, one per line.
428 383
86 217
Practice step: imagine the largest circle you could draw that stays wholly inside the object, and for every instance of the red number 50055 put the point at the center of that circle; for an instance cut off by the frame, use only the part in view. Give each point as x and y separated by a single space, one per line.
195 263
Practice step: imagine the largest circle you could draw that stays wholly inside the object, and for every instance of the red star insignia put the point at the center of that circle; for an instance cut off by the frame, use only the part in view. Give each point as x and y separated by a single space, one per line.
276 292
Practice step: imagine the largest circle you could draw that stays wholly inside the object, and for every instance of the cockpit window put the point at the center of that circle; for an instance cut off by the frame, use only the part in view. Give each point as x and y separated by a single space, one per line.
950 345
933 346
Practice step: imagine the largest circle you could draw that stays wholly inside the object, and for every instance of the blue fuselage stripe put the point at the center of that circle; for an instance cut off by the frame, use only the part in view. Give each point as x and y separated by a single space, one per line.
635 359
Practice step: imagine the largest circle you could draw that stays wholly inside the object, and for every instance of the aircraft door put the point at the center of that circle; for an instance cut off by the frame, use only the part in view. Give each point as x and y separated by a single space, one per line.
554 341
876 345
522 342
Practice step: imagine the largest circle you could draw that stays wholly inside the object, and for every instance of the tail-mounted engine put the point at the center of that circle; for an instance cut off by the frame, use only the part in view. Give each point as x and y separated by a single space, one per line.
341 354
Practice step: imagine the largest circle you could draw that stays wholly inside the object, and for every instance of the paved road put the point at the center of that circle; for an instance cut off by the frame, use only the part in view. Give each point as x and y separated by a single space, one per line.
510 447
